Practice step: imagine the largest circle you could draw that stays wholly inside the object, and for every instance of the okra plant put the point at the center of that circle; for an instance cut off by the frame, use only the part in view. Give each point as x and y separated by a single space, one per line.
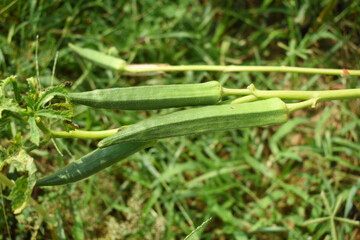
210 107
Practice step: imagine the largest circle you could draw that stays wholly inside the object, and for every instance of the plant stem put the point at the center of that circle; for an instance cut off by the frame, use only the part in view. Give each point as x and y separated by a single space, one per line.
138 68
248 98
85 134
42 142
75 133
295 95
42 126
120 65
292 107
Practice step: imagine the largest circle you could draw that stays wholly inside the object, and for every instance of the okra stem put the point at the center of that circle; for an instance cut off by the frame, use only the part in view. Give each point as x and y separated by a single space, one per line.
85 134
248 98
120 65
292 107
321 96
77 133
223 68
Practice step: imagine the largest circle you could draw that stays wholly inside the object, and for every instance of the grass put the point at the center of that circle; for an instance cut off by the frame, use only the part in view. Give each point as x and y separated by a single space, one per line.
260 183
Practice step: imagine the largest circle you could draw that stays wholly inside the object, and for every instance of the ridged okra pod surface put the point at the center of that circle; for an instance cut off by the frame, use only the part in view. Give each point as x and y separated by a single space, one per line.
151 97
92 163
203 119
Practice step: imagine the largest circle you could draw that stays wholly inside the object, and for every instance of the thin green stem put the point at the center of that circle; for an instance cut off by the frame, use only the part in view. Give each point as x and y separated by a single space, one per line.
85 134
42 142
42 126
235 92
4 213
120 65
75 133
320 96
292 107
248 98
138 68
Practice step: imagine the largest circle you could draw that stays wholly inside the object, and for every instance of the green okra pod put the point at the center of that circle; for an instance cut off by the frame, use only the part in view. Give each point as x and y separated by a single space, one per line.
151 97
92 163
203 119
100 58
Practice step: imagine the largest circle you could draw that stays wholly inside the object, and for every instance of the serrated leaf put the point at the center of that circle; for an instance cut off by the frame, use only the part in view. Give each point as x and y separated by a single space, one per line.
49 113
16 89
33 85
49 94
33 93
20 194
30 101
34 131
13 80
8 104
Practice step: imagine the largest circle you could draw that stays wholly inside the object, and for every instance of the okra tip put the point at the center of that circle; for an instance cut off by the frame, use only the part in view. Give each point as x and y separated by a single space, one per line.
99 58
73 47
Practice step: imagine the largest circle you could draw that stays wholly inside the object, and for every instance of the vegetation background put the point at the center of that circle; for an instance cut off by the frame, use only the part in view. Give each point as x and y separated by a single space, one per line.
259 183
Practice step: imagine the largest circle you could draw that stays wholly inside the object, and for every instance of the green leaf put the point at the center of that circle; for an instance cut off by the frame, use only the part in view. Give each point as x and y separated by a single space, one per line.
49 94
34 131
33 93
59 225
78 228
1 92
3 156
22 162
193 234
33 85
20 194
30 101
8 104
16 89
13 81
49 113
15 145
4 122
349 200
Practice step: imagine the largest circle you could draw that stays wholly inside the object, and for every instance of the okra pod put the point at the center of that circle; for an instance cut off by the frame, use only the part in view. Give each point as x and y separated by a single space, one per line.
151 97
203 119
92 163
100 58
